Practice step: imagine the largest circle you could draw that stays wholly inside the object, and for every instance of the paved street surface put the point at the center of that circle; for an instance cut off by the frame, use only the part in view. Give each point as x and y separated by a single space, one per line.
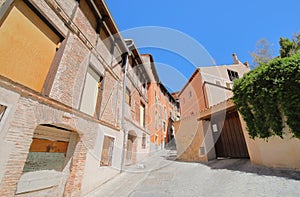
161 176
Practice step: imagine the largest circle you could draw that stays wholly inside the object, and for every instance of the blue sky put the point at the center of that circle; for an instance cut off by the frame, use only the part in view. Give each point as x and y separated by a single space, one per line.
221 27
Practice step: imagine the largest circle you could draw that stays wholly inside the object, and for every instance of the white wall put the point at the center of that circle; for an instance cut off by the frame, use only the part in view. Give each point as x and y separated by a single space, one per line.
212 74
94 175
9 99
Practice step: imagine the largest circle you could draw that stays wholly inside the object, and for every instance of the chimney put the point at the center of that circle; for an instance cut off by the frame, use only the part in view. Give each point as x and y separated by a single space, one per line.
247 64
235 59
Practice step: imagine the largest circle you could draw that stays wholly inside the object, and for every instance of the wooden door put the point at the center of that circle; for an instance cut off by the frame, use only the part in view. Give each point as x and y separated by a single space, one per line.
229 139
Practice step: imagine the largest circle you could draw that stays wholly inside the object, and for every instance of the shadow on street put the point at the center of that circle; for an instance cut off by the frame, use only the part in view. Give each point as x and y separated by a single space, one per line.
244 165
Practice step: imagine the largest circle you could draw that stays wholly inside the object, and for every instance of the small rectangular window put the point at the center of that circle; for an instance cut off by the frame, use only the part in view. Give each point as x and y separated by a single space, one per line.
107 151
229 85
142 115
156 120
144 141
165 113
164 126
128 97
2 111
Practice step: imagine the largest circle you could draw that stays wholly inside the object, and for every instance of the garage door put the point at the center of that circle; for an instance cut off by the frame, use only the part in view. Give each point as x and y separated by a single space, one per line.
229 138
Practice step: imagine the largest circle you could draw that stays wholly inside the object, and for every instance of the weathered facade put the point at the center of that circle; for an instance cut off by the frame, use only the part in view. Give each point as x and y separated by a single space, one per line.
61 84
211 127
208 89
163 109
136 108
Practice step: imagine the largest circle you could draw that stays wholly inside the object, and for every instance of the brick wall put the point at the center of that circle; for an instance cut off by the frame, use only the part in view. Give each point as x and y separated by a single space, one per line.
20 135
73 186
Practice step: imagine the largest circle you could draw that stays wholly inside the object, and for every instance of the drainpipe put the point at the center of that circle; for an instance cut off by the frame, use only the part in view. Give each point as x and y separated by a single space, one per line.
125 64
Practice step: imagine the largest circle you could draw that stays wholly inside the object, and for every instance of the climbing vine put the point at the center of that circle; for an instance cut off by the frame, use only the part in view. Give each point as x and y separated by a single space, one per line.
269 96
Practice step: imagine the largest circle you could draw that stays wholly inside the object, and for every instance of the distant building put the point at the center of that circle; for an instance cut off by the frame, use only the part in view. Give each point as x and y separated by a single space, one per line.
136 105
162 109
209 126
209 86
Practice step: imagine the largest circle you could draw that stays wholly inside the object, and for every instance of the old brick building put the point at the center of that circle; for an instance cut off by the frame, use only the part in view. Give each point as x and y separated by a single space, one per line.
136 106
163 109
61 95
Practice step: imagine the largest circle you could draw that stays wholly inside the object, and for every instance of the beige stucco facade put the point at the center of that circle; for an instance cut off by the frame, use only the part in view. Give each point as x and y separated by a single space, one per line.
275 151
195 141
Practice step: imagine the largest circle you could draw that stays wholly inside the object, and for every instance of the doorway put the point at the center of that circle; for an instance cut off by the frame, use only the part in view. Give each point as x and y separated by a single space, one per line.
131 148
229 138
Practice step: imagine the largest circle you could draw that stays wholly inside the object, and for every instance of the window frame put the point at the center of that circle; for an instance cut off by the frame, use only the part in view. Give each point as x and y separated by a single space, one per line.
97 109
156 120
5 10
109 158
144 141
128 92
233 75
45 133
3 109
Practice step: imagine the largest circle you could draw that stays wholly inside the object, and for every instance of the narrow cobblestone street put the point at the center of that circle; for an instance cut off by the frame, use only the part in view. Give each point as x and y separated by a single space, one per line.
164 177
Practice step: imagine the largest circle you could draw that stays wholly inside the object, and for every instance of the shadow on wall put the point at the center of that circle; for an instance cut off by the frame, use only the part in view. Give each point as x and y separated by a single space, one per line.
244 165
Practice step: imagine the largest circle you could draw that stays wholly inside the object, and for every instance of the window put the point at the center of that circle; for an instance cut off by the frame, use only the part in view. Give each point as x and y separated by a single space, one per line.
156 139
165 113
218 82
50 149
107 151
29 45
142 115
92 93
229 85
2 111
164 126
144 141
232 75
128 97
156 120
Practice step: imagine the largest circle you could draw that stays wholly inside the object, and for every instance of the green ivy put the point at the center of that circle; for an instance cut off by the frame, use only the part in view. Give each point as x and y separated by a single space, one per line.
267 94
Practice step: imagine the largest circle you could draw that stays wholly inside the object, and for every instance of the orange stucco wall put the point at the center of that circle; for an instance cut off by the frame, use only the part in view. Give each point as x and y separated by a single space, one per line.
192 136
191 98
163 107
